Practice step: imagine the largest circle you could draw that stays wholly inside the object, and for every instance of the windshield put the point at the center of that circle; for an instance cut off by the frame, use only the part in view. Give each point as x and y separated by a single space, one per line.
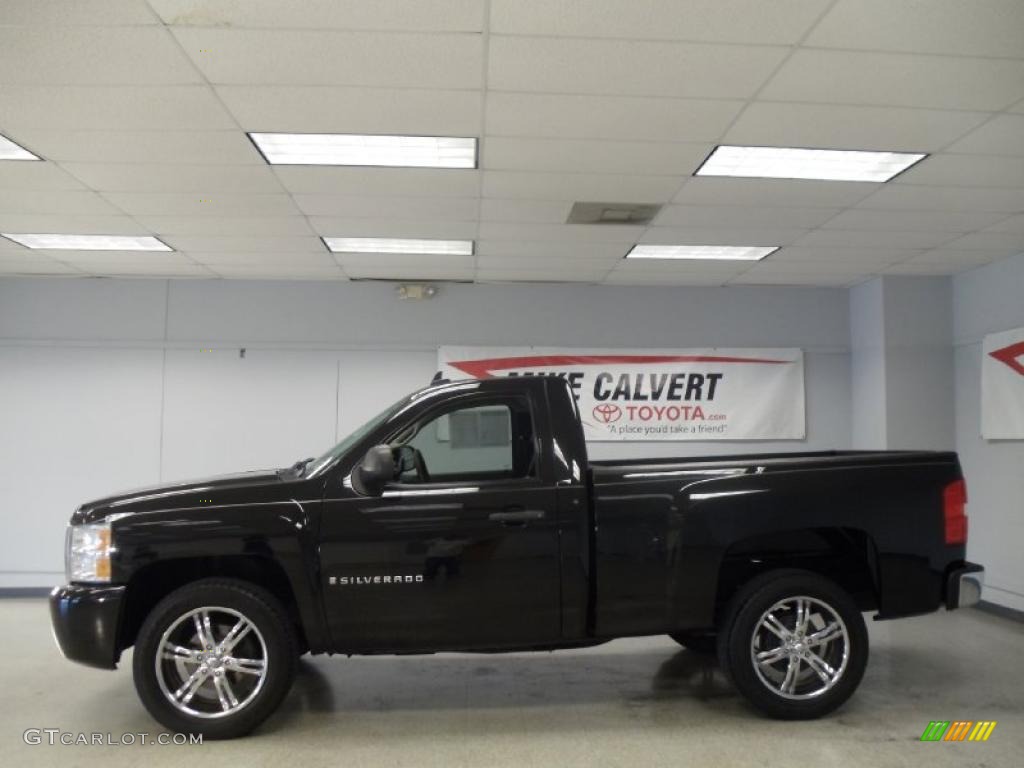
322 461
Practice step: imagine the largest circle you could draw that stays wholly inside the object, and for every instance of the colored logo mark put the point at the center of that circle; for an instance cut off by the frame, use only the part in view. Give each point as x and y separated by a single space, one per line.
958 730
606 413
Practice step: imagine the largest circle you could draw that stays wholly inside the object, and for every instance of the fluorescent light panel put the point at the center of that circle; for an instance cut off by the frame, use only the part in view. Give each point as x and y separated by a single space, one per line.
11 151
397 245
793 163
359 149
702 252
90 242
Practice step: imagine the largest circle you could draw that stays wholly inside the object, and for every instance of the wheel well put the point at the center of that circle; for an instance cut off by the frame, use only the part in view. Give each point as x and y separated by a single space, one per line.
154 582
843 555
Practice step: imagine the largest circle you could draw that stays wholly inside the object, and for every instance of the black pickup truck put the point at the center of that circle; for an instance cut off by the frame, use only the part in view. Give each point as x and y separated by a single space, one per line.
466 517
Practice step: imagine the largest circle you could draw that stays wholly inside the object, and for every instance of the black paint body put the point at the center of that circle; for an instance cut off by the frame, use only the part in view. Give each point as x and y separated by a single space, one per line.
623 548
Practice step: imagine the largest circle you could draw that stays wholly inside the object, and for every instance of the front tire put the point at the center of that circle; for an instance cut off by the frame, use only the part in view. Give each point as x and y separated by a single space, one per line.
215 657
794 644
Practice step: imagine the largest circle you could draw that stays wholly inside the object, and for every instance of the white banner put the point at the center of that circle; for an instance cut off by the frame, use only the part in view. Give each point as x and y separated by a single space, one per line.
1002 386
689 394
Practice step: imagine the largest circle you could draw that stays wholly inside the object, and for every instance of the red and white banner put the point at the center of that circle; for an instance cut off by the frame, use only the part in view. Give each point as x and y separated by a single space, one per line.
689 394
1002 386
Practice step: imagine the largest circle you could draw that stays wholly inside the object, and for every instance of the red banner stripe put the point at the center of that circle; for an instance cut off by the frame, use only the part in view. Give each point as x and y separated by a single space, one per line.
482 369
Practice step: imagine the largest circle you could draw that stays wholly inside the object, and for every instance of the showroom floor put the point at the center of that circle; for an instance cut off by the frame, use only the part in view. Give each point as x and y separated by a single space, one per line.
635 702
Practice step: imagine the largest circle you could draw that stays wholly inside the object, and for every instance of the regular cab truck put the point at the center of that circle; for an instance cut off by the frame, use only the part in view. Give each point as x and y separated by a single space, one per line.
466 517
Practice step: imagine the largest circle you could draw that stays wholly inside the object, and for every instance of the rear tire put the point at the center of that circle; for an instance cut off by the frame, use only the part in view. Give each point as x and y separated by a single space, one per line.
215 657
794 644
698 642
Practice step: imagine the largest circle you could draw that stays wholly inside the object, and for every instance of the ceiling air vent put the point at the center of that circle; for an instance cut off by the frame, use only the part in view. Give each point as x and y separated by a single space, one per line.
612 213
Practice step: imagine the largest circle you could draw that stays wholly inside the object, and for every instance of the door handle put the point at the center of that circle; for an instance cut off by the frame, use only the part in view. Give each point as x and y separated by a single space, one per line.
517 515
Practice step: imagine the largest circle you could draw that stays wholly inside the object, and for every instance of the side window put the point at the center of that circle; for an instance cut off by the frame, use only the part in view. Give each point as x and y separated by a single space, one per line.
483 441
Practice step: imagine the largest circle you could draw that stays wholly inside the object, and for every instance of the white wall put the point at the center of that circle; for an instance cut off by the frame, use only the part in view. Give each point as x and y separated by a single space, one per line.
109 384
987 300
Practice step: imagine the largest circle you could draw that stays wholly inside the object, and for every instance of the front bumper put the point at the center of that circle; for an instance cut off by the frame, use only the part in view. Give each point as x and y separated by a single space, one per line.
964 585
86 620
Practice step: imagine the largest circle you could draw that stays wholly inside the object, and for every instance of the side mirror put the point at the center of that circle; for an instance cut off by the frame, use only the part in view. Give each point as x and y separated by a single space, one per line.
376 469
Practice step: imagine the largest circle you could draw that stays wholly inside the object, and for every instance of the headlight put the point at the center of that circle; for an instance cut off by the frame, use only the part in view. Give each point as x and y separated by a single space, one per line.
87 550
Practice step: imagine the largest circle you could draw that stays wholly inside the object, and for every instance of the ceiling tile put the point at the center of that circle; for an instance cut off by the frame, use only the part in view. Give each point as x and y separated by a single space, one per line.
388 227
92 56
709 190
912 221
897 79
435 16
728 216
167 108
772 267
77 224
338 109
606 233
370 261
728 236
35 267
567 65
254 243
734 21
184 147
225 225
907 197
579 155
536 211
141 258
270 272
966 171
979 28
110 269
379 182
850 127
47 13
580 186
608 117
1011 224
839 255
486 275
1002 135
867 238
36 176
202 179
354 206
820 279
53 202
670 278
960 257
324 57
423 272
263 259
1012 242
185 204
528 249
541 263
924 269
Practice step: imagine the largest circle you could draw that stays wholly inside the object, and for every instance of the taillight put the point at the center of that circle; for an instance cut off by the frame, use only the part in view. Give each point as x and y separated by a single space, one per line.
954 499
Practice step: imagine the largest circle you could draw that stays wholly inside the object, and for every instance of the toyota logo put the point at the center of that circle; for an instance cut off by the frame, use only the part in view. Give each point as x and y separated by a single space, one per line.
606 413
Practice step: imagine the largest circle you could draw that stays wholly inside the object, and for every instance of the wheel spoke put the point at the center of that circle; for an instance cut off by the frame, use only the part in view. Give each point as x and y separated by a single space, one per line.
821 668
232 638
822 636
775 626
246 666
224 693
194 682
803 615
174 652
772 656
792 672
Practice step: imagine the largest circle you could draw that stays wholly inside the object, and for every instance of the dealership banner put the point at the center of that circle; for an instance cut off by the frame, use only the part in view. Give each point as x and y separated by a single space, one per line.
686 394
1002 386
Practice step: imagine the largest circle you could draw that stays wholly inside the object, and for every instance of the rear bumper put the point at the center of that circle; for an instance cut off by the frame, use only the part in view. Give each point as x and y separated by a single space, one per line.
964 585
86 620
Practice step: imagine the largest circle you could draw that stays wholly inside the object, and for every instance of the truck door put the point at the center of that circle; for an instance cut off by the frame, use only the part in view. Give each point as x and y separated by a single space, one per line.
461 550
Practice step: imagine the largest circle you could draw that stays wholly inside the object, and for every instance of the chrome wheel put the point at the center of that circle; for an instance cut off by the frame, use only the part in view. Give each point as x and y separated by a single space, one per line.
800 648
211 662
